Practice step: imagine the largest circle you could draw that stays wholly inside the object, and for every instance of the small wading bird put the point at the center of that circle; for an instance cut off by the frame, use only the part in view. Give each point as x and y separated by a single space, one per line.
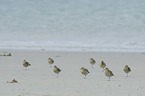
13 81
92 62
126 70
56 70
102 65
26 64
108 73
50 61
84 71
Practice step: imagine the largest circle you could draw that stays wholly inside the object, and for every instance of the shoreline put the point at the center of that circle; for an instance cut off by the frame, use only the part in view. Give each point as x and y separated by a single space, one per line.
77 51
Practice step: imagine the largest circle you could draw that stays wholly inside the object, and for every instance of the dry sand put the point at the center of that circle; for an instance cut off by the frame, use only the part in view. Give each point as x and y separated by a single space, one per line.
40 80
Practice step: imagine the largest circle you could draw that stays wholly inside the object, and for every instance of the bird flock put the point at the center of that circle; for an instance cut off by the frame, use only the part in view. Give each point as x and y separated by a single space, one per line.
84 71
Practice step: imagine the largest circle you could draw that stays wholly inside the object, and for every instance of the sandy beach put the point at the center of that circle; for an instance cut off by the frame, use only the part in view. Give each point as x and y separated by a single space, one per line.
40 80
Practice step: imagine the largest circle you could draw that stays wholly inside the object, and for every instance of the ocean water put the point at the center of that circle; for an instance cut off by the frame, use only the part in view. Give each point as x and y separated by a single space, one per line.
73 25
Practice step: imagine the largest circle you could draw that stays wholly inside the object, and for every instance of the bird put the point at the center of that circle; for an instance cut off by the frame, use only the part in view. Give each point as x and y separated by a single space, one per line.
26 64
56 70
108 73
9 54
126 70
92 62
13 81
102 65
84 71
50 61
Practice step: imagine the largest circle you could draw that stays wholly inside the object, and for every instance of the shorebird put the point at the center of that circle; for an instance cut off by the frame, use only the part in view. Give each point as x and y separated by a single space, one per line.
26 64
50 61
9 54
56 70
92 62
84 71
13 81
108 73
102 65
126 70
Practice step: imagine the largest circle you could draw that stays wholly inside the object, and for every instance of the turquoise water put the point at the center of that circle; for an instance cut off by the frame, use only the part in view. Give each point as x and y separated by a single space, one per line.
82 25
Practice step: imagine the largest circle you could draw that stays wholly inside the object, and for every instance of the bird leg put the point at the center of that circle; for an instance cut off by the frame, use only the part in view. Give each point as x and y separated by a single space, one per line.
85 77
92 66
109 79
56 75
127 74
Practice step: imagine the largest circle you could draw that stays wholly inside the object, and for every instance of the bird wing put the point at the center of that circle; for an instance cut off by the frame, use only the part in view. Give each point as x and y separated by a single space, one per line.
87 70
129 69
52 61
111 72
58 69
28 63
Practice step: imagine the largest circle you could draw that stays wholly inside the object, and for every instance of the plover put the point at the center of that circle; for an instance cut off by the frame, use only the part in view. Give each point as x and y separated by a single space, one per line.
13 81
26 64
102 65
108 73
84 71
126 70
56 70
92 62
50 61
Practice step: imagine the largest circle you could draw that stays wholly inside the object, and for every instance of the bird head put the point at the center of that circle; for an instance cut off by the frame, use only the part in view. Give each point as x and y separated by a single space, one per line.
91 59
24 61
126 65
102 61
55 66
106 68
82 68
